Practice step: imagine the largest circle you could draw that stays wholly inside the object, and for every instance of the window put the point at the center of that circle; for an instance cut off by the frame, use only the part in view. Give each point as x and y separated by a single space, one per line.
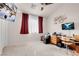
33 24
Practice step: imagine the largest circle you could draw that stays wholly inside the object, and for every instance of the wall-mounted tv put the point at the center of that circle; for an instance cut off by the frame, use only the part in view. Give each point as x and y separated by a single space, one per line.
68 26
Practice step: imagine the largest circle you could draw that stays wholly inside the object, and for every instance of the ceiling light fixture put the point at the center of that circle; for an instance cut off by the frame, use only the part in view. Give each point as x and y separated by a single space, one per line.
7 10
44 4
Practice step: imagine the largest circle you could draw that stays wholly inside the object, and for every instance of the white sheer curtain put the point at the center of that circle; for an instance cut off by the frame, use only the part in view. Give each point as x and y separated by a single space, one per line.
33 24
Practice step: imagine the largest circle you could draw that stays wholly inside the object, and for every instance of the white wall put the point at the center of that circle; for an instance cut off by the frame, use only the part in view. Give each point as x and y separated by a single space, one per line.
13 28
72 13
3 34
14 32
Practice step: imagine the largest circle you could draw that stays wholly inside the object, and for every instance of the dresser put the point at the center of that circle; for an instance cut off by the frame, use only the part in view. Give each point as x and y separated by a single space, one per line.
54 39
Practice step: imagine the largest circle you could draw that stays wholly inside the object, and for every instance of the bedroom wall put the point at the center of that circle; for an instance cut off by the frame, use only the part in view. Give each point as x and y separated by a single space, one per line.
14 32
71 11
13 28
3 34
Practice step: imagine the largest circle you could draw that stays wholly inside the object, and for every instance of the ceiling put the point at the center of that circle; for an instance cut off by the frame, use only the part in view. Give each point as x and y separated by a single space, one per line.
35 8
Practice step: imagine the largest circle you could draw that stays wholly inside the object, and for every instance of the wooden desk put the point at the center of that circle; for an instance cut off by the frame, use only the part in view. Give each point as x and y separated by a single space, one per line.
54 39
67 43
71 42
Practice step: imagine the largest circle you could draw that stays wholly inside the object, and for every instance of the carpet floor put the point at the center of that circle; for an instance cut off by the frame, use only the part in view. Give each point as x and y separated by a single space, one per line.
36 48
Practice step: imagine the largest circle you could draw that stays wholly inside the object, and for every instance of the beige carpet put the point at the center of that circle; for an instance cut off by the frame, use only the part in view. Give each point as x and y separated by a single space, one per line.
36 48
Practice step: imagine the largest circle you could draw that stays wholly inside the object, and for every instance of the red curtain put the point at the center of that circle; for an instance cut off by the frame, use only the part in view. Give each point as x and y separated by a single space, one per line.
24 26
40 24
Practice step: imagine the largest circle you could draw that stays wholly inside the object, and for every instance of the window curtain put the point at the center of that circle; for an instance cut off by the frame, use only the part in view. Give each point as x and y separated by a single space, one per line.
33 24
24 26
40 21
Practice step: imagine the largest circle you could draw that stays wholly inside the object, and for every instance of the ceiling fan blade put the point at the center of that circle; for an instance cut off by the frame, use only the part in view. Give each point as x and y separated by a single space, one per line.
46 3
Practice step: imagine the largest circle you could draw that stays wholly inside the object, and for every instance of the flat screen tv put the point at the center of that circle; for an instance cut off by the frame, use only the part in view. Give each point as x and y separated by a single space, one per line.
68 26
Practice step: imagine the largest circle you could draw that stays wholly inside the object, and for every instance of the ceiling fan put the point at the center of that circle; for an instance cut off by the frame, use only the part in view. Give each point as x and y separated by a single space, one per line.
44 4
8 11
7 6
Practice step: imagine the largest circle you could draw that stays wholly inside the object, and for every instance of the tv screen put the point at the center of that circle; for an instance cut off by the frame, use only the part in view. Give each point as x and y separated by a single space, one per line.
68 26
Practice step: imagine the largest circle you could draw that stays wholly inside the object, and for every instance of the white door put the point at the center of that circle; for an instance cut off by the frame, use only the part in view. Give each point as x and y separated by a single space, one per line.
3 33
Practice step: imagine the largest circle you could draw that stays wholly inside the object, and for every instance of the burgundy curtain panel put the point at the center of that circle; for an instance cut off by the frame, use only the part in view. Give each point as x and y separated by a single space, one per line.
24 26
40 24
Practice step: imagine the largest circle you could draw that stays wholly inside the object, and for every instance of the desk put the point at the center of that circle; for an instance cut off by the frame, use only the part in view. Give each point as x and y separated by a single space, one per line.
55 39
71 42
67 43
